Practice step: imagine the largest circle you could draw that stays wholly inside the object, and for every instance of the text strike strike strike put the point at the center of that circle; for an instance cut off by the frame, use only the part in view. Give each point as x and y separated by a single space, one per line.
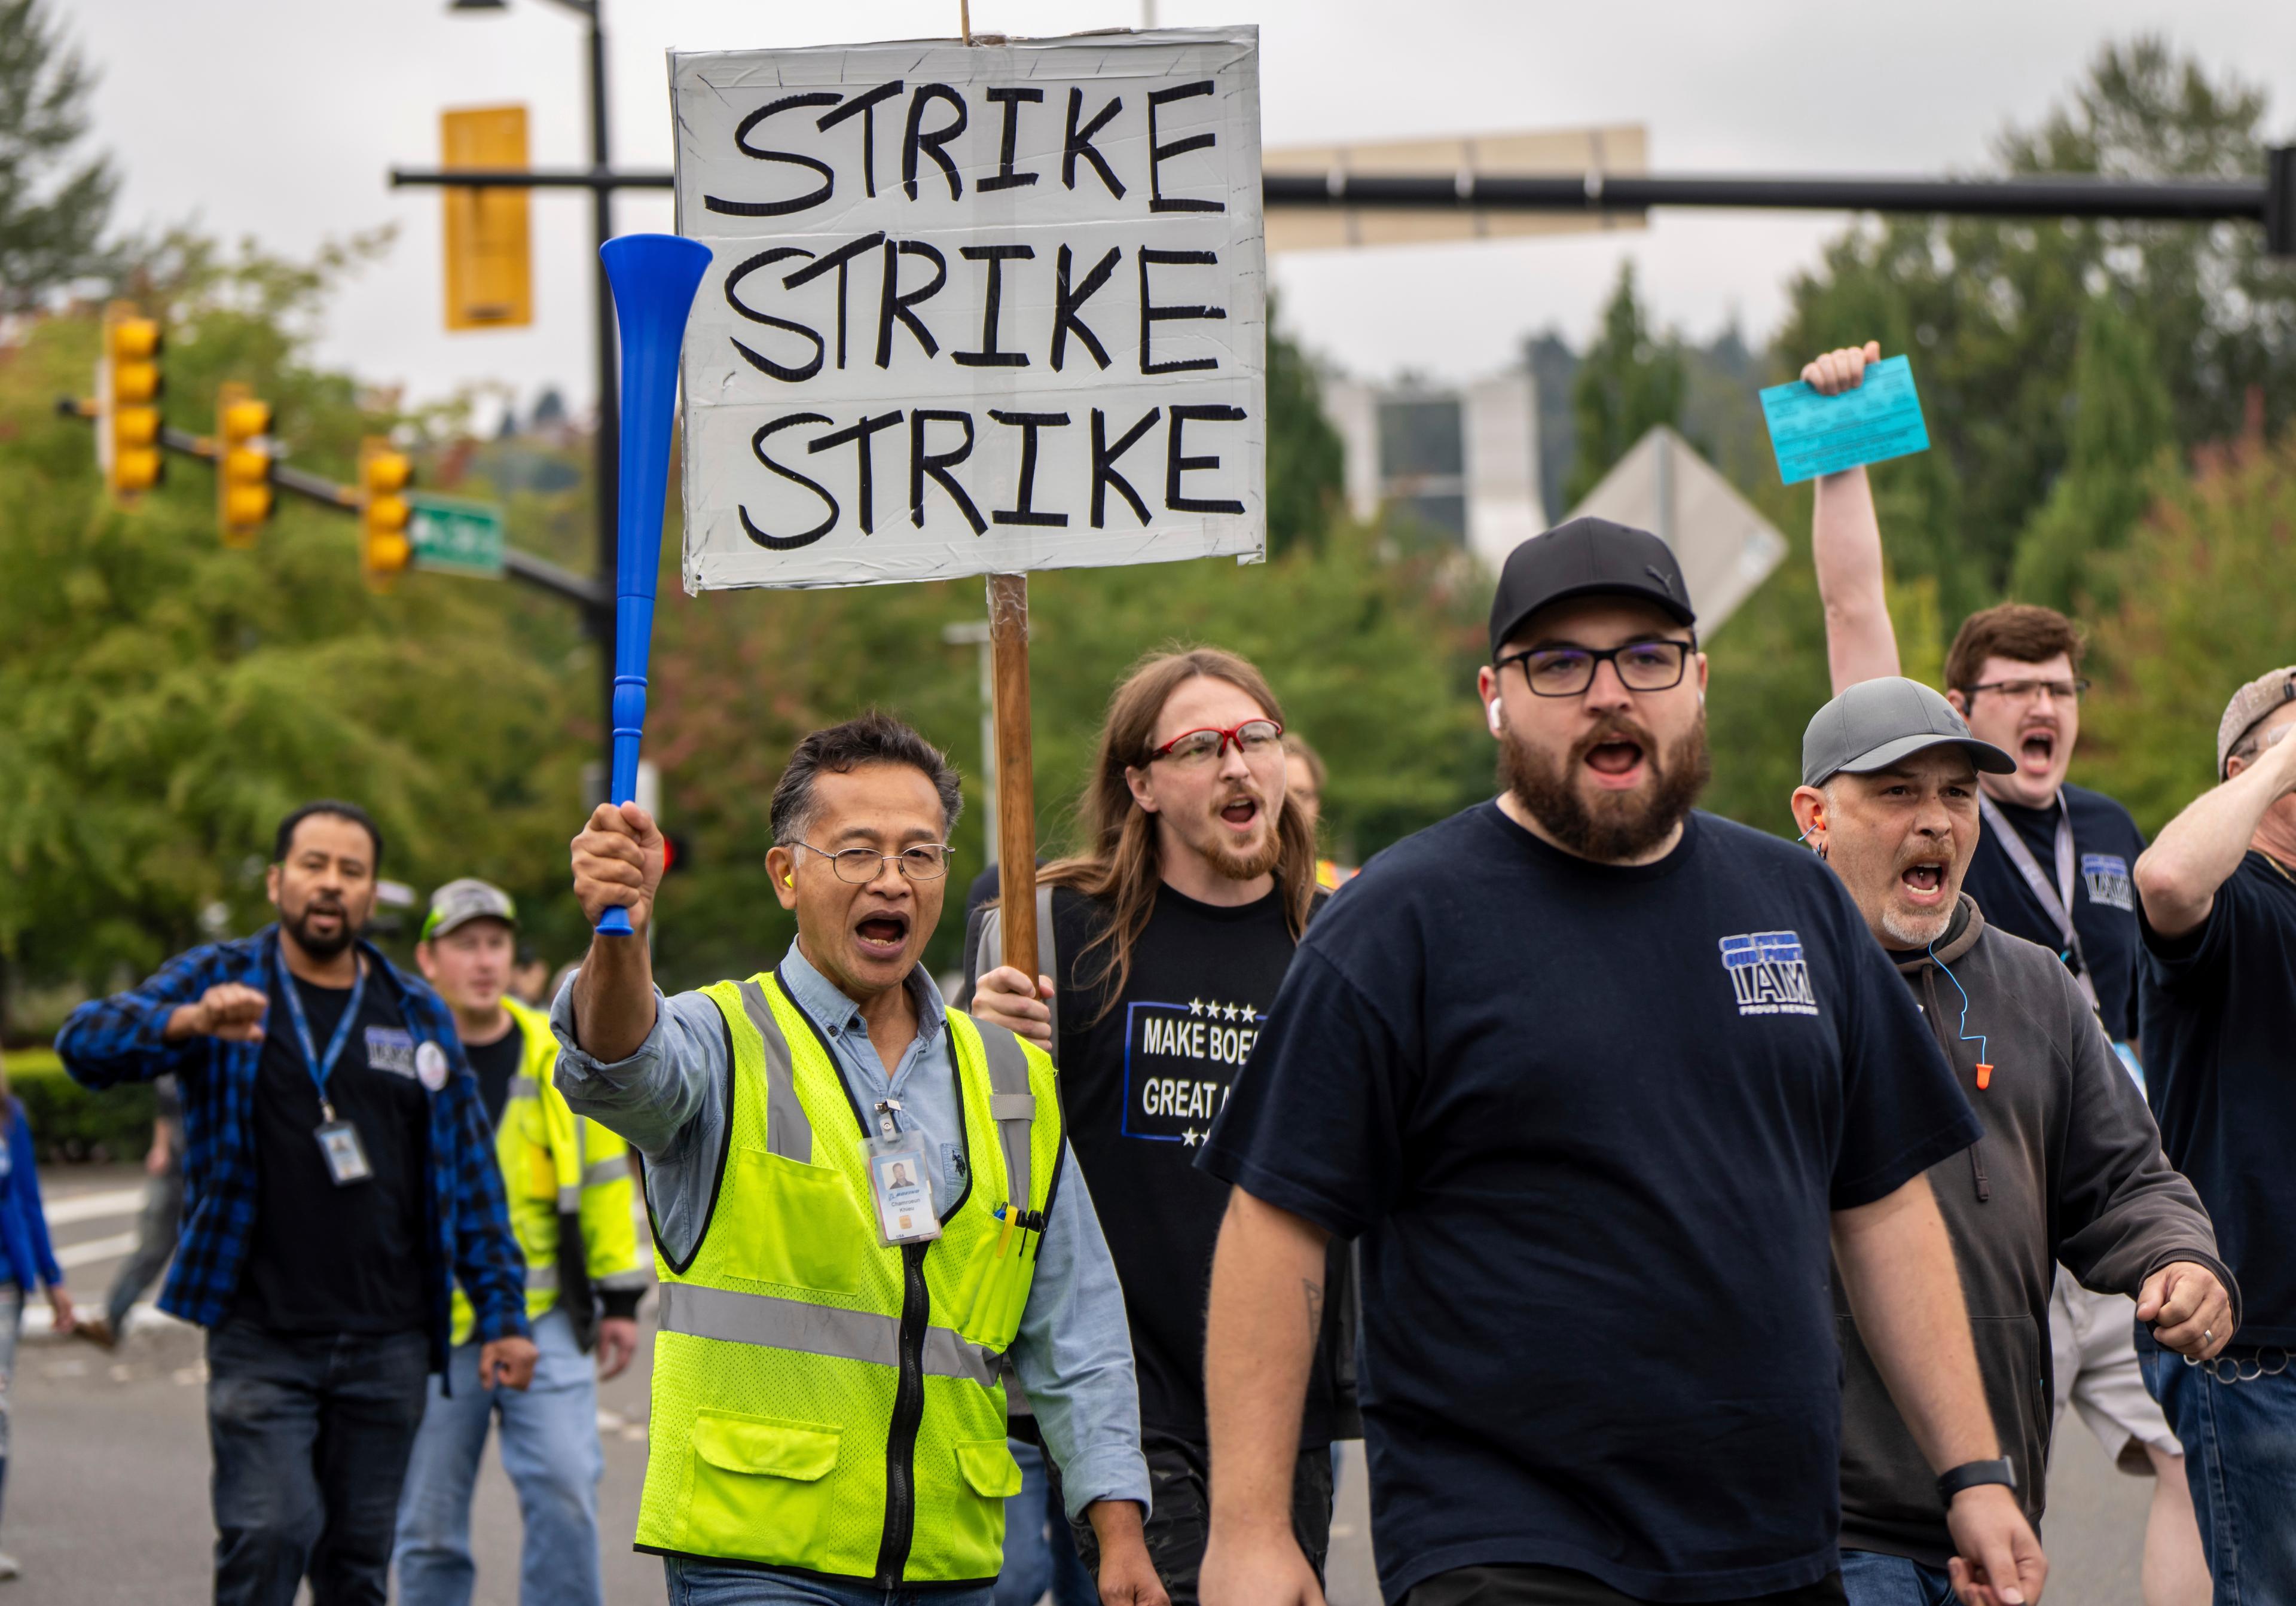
993 290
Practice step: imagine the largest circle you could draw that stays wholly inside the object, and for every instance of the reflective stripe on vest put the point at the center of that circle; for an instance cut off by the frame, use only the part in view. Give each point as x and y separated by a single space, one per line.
1012 1106
853 1335
788 1132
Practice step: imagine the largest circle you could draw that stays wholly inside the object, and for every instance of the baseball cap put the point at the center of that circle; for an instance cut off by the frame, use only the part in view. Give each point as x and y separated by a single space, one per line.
458 903
2249 705
1584 558
1876 722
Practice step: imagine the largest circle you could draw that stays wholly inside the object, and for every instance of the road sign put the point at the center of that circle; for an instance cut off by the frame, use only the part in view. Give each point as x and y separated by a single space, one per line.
490 269
455 536
1592 153
1726 548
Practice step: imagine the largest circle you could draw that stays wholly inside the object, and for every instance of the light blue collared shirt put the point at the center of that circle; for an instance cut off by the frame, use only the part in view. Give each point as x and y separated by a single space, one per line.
1073 1354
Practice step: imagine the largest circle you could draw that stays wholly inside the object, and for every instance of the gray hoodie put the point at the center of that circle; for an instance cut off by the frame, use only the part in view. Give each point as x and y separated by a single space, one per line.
2070 1169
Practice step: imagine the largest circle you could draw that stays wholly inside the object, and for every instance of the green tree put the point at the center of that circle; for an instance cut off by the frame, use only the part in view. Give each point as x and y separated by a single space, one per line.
2120 441
1629 380
169 699
52 205
1992 312
1306 463
2206 589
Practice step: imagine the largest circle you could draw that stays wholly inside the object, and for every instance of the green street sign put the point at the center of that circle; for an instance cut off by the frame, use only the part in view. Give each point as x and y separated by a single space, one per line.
456 537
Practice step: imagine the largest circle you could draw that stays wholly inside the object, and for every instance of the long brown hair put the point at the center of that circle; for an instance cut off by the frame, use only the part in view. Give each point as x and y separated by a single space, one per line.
1119 866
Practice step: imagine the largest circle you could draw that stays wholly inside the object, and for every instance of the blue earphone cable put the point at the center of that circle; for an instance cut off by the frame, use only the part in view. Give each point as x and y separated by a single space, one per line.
1966 1037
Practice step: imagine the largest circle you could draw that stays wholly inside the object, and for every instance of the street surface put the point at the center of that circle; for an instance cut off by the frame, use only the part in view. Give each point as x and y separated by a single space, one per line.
107 1494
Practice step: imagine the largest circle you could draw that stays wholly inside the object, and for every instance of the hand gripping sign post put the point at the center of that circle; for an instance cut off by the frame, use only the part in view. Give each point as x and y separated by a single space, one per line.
974 309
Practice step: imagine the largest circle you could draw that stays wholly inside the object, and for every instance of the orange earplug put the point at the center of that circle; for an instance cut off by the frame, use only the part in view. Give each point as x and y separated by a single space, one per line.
1984 1076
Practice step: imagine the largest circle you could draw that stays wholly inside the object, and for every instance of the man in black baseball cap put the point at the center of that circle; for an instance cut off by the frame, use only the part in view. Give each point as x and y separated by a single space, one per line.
2070 1169
1594 1080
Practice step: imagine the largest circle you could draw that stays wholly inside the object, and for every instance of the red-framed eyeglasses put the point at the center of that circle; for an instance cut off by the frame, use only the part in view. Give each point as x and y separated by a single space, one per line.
1254 739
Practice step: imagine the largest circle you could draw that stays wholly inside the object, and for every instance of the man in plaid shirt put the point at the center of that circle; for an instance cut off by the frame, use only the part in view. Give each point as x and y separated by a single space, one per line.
339 1174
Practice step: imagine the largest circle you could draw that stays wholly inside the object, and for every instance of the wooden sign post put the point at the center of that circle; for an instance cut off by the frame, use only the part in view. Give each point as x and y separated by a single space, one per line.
1016 768
974 309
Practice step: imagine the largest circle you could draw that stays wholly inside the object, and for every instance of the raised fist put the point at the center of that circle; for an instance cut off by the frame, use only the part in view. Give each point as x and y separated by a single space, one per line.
617 861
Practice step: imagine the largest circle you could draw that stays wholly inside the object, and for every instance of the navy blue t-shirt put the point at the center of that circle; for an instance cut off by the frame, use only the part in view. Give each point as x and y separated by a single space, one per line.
2220 1050
2106 844
1591 1123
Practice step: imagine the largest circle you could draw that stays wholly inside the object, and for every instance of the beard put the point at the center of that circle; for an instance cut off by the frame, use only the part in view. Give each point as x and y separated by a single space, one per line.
1613 827
1910 932
1248 864
299 924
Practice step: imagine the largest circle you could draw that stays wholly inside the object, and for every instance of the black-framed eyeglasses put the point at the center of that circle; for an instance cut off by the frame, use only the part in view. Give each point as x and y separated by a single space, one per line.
925 862
1651 666
2025 691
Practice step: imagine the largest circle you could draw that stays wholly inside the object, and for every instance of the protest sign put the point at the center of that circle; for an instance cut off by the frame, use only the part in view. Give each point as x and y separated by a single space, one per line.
1815 434
972 309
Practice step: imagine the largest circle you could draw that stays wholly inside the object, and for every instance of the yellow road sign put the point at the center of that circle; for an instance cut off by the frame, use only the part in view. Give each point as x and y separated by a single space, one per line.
489 267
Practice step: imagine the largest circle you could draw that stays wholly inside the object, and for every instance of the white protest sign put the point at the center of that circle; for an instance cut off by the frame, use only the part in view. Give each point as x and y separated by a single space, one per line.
972 310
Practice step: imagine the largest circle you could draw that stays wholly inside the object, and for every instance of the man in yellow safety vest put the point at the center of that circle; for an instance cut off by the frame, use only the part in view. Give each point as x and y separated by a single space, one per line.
568 1182
863 1204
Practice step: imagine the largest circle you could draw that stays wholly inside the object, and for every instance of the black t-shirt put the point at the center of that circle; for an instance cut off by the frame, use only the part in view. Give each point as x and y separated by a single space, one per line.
2106 844
496 1064
328 1258
1139 1086
2219 1049
1591 1123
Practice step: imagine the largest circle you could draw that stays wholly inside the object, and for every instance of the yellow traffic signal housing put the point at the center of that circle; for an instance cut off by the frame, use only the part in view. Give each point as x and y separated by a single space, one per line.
384 473
489 265
126 405
243 459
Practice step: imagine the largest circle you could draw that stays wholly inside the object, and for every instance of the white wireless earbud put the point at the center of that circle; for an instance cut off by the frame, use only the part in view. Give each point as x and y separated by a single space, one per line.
1491 714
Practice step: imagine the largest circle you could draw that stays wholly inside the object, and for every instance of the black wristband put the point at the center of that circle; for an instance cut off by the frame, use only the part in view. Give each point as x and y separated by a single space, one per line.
621 1303
1969 1474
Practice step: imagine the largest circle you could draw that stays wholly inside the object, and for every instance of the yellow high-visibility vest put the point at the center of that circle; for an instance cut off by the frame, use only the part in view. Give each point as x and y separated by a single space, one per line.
556 1163
822 1403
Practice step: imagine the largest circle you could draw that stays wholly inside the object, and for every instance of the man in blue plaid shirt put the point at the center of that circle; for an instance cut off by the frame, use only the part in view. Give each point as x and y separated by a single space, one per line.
339 1174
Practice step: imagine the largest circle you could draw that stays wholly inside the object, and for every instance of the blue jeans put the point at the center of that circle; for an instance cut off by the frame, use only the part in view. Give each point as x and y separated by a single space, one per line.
2239 1457
310 1434
714 1583
550 1449
1040 1553
1870 1578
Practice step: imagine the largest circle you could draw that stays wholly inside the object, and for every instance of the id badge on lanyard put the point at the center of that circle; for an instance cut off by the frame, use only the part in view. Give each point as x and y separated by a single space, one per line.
338 1138
900 1182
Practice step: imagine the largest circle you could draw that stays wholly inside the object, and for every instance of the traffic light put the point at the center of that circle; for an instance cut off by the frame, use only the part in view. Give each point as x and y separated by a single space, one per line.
127 405
489 268
243 459
383 472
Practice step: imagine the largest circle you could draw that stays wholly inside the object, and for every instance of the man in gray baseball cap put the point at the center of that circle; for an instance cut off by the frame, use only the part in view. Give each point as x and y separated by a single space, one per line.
2071 1168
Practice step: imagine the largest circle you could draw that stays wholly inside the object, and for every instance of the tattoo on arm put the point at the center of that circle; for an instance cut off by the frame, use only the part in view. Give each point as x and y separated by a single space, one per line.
1313 1290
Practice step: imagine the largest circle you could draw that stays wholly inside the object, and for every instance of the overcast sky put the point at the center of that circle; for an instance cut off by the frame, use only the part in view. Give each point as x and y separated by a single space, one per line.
278 119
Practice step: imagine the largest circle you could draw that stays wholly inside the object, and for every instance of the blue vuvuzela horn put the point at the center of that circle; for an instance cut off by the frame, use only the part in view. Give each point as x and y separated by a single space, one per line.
653 277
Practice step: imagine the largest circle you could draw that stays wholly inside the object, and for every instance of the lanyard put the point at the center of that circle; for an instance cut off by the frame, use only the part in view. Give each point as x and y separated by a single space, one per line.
2056 902
320 1069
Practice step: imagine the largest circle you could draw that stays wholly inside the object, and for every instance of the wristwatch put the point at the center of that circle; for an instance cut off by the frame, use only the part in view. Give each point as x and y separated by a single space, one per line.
1969 1474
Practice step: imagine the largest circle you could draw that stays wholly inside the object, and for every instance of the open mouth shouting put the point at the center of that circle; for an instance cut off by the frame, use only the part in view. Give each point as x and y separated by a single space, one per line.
1240 814
1617 758
2036 749
1923 882
882 934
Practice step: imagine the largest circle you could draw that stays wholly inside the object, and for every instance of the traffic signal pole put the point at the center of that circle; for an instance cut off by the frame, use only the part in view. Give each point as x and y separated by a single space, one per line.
604 472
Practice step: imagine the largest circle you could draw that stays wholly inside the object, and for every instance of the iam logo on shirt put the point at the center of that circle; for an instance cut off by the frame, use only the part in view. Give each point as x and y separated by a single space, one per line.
2107 876
391 1049
1768 973
1179 1062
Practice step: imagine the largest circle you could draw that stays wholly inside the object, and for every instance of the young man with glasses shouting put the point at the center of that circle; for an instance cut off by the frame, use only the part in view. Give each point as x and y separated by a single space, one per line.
1171 933
864 1207
1597 1081
2054 865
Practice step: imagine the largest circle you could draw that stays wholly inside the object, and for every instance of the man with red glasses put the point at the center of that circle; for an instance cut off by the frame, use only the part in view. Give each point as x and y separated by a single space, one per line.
1596 1081
1170 935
